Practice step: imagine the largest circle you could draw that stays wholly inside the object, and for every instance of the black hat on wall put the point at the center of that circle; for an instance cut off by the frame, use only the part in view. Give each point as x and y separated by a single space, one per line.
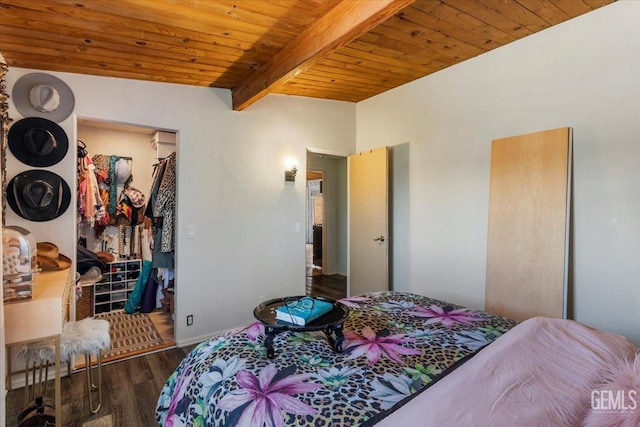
38 142
38 195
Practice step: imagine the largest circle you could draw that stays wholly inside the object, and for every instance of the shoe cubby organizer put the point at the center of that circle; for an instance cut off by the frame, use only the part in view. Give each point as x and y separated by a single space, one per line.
111 293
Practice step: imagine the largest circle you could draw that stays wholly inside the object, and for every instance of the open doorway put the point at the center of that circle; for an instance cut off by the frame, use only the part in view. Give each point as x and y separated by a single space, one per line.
314 222
134 167
326 225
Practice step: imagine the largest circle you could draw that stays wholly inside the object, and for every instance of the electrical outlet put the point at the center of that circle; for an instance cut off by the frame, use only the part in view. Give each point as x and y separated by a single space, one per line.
190 320
261 298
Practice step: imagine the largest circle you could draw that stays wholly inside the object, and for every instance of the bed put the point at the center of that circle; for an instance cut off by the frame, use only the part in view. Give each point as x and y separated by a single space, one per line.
407 360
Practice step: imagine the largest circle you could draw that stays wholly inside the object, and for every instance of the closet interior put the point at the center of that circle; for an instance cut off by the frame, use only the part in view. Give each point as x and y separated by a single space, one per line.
126 213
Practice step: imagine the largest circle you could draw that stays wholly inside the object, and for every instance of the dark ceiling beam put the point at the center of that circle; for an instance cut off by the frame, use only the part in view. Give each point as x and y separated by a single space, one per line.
343 24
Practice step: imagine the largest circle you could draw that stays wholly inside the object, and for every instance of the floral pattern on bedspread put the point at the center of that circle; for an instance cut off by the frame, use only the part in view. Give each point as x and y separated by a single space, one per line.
396 344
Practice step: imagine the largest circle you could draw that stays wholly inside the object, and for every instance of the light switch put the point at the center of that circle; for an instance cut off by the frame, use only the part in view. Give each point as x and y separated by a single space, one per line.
191 231
298 228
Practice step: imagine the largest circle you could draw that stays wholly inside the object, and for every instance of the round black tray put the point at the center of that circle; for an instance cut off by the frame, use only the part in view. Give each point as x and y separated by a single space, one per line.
266 313
330 323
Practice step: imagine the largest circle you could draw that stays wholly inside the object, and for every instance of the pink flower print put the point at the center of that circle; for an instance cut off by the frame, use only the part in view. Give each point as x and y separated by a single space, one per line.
266 398
173 420
375 345
255 330
446 315
352 301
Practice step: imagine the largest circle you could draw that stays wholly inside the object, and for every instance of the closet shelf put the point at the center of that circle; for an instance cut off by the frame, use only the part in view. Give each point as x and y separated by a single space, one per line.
111 293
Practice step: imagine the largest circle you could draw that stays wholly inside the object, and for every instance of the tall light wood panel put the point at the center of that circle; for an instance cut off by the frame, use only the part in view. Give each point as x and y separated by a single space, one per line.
527 250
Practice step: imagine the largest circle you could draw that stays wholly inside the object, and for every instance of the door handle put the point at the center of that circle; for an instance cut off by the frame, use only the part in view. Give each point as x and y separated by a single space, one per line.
379 239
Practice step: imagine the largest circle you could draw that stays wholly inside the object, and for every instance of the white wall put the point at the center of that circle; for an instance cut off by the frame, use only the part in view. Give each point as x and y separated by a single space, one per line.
230 186
585 74
399 216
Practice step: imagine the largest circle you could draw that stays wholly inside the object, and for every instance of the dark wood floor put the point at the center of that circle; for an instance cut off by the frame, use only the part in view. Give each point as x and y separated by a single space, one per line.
130 390
331 286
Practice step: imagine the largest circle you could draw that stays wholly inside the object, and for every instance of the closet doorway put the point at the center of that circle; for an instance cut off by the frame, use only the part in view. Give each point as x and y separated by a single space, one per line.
130 229
326 225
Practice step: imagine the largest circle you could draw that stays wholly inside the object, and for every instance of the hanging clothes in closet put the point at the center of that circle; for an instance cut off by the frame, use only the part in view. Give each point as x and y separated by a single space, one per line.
90 207
160 214
161 211
110 209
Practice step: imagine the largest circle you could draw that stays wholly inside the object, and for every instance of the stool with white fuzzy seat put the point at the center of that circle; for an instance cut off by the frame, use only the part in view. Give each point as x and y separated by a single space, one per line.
87 336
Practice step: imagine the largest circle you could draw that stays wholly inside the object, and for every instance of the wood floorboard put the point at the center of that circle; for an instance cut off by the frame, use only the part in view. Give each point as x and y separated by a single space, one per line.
125 410
167 362
137 371
330 286
146 402
164 324
317 284
106 421
130 389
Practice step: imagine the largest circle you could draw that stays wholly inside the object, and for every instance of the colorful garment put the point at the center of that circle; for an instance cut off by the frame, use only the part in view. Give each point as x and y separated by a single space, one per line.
164 204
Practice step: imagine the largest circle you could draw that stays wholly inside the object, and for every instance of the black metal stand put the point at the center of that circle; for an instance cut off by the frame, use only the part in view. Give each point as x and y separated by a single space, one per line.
331 324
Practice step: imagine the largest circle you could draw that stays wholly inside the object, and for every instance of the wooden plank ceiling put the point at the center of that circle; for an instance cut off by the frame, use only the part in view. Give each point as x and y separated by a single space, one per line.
344 50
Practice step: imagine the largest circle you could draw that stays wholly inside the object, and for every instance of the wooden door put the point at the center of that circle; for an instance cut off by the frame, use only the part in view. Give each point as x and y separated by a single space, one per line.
368 221
527 252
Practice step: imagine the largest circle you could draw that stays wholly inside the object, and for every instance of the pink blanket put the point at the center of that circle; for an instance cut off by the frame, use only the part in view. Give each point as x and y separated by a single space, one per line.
541 373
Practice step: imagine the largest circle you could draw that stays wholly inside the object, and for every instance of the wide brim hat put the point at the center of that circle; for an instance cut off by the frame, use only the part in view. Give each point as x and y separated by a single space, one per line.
43 95
49 257
38 195
105 257
38 142
136 197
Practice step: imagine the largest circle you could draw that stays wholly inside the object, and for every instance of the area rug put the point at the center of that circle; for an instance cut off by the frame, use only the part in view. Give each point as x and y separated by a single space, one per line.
131 335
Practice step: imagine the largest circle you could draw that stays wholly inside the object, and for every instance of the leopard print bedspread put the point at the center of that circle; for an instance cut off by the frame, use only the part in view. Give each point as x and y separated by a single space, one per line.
396 345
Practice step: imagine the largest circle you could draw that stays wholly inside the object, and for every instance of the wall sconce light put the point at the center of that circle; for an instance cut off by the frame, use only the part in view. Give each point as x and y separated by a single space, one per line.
291 169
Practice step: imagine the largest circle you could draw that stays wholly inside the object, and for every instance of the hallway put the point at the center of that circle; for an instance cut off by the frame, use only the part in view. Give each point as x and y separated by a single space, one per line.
330 286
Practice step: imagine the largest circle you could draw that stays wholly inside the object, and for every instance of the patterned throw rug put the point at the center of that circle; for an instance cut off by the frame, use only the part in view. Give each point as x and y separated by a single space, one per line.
131 334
